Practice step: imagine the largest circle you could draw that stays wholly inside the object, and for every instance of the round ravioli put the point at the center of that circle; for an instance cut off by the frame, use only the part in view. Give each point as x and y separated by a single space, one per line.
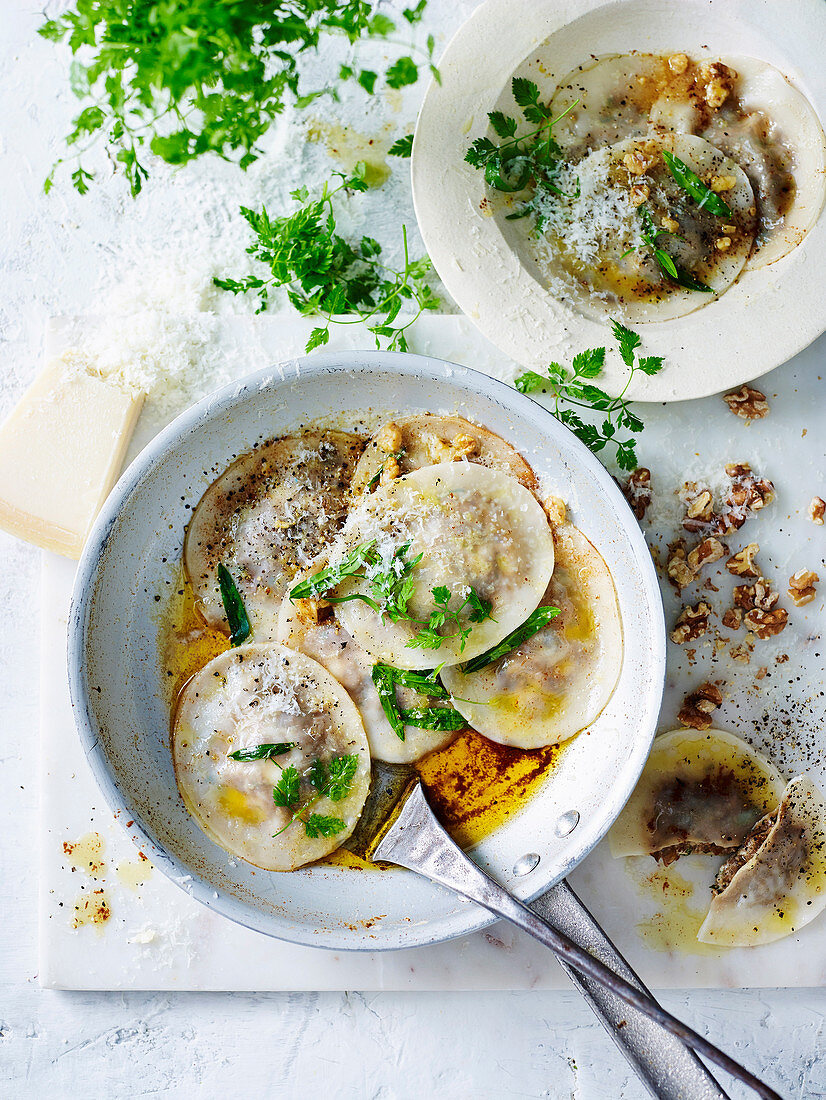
328 642
271 756
410 442
744 107
457 536
267 517
698 791
776 883
624 234
556 683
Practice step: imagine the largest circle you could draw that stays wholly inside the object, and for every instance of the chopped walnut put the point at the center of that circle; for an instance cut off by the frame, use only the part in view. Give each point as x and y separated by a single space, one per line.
761 673
743 596
718 80
555 510
389 437
639 194
691 624
746 494
728 229
747 403
698 501
637 491
671 224
308 611
802 586
765 624
817 510
390 470
638 161
464 446
679 572
678 63
758 595
723 244
722 183
742 563
732 618
740 653
699 705
705 553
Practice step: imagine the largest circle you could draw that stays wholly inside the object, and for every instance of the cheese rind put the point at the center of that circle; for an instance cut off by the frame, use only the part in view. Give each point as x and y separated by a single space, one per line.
61 450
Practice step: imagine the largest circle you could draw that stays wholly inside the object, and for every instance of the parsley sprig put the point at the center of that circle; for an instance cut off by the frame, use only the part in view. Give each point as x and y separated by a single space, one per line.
333 780
533 159
325 274
181 78
573 388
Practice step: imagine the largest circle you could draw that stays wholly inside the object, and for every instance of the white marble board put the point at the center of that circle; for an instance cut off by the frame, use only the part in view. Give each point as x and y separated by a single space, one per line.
158 938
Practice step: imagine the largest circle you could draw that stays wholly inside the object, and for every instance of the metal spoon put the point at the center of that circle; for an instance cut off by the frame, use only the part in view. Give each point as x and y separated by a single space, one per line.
415 839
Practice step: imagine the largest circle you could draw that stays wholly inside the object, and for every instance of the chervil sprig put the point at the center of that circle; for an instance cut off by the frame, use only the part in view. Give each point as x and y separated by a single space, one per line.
333 780
326 275
431 634
573 388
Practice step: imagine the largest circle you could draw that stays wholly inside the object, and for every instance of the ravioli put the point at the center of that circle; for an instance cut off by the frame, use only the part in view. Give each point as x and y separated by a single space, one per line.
698 791
475 528
556 683
425 440
777 884
326 641
743 106
266 517
593 242
256 696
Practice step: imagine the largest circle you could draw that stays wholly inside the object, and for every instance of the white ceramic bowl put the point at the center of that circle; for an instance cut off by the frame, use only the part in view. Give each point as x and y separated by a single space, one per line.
116 675
766 317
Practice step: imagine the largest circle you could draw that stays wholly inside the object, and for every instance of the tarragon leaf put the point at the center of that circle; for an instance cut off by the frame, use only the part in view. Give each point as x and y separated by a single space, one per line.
534 623
262 752
691 183
234 609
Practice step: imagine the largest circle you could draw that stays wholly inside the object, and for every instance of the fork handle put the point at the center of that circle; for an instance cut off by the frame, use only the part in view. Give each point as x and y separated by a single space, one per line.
417 841
667 1067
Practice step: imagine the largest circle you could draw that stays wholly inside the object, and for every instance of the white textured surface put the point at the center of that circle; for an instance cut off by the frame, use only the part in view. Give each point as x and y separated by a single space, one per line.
55 253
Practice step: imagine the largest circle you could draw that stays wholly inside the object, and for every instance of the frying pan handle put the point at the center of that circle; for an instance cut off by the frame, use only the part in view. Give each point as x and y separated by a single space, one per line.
668 1068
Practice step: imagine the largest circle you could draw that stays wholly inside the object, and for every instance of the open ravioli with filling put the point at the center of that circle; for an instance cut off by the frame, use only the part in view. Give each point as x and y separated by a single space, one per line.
776 882
554 684
267 517
271 756
466 528
699 791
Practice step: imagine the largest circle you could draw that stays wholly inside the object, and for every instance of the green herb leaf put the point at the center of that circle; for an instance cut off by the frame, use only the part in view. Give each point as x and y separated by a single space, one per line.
525 92
286 791
685 279
262 752
402 72
402 147
532 625
386 688
530 382
317 825
342 772
236 613
628 342
433 718
691 183
502 124
351 565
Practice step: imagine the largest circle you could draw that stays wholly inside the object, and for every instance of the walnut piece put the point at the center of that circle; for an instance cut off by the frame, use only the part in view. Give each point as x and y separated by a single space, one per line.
389 437
758 595
817 510
765 624
684 568
723 244
699 705
390 470
802 586
464 446
722 183
705 553
637 491
746 494
699 506
637 161
742 563
678 63
679 572
639 194
732 618
747 403
555 510
691 624
718 80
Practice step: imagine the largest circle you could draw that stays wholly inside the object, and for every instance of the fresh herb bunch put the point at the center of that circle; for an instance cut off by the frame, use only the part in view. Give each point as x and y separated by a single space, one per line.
573 388
185 77
532 160
326 275
333 781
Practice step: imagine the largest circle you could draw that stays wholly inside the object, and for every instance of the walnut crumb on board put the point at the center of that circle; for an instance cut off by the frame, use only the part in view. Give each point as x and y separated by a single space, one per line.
802 586
732 618
765 624
742 563
637 491
747 403
699 705
817 510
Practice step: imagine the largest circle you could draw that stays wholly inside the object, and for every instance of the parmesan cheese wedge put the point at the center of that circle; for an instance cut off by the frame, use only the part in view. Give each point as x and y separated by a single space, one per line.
61 451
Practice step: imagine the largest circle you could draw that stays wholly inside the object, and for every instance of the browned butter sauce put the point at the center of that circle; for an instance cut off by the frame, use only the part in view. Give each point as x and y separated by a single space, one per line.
473 784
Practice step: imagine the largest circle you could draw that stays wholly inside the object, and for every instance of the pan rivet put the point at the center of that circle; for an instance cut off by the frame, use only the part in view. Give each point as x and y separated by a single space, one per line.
525 864
567 823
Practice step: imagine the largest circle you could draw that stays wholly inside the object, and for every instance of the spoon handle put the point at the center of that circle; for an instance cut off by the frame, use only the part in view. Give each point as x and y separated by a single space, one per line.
417 841
667 1067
